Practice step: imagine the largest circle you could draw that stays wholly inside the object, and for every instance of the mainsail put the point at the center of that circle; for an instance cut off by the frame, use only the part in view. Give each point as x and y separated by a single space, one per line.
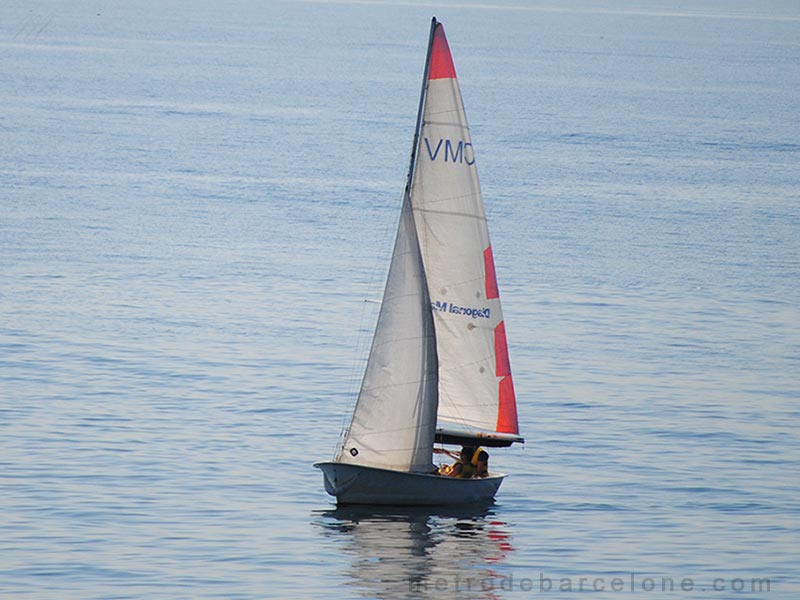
476 391
439 352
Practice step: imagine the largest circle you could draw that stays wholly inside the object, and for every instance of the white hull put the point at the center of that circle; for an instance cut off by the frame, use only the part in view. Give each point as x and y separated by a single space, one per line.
355 484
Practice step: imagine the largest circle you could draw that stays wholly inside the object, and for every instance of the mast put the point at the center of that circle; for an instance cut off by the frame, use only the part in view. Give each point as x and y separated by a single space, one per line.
421 109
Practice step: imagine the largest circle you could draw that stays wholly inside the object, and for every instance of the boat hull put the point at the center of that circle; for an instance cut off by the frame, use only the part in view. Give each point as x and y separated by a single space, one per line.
356 484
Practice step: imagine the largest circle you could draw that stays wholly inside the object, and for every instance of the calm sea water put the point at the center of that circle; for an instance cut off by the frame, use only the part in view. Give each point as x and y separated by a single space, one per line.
198 197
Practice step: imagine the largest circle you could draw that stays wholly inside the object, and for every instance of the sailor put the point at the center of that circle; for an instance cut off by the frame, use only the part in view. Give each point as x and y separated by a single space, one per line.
474 462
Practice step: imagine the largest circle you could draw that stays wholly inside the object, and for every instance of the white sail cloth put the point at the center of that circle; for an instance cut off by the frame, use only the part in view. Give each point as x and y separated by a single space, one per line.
475 387
395 415
439 352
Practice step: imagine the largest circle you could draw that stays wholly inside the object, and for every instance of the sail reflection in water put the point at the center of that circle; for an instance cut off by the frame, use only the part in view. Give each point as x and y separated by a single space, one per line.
414 552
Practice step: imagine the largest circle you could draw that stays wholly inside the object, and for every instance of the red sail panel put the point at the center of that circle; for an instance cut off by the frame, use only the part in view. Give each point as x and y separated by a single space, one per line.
507 411
507 402
503 365
491 277
441 66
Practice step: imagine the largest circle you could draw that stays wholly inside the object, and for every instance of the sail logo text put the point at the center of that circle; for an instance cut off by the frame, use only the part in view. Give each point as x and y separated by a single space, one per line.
450 151
475 313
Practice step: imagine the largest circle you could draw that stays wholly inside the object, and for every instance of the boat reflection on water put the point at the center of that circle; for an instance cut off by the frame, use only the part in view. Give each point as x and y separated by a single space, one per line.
403 552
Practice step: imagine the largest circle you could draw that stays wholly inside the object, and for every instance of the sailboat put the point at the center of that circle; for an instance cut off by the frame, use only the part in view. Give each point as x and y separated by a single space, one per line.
438 370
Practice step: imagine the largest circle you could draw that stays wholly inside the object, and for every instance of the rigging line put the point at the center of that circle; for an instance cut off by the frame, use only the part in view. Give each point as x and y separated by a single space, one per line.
368 315
413 159
367 323
420 110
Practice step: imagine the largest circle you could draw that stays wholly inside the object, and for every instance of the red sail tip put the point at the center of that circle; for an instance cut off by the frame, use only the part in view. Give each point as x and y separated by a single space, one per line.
441 61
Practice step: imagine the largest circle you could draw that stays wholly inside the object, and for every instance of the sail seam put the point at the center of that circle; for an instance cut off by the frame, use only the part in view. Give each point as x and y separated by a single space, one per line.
446 123
447 199
365 434
392 385
450 213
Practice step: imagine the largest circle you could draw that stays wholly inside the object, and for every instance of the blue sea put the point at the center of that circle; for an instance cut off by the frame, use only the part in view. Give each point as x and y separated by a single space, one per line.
197 205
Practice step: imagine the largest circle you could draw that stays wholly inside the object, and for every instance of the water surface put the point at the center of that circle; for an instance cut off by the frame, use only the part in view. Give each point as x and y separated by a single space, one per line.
197 200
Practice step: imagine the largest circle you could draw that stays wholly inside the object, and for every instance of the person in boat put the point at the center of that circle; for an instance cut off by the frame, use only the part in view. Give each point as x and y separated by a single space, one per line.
473 462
